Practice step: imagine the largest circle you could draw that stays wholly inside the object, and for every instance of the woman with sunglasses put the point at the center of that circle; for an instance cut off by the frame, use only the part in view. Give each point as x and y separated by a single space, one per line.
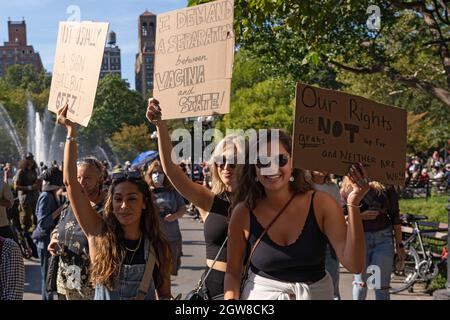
69 241
127 243
213 204
289 261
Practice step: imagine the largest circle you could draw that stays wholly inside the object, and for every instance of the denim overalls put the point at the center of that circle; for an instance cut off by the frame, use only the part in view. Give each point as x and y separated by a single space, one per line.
128 283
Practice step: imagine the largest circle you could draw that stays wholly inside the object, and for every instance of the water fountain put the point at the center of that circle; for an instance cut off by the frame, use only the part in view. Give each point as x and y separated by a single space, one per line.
45 139
11 129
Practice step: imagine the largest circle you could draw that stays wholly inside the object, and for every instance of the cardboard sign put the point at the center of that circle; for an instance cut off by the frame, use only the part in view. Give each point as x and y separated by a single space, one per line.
194 60
333 130
76 70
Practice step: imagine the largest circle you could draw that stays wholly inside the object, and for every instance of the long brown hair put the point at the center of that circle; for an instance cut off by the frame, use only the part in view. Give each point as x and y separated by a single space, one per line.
251 191
110 244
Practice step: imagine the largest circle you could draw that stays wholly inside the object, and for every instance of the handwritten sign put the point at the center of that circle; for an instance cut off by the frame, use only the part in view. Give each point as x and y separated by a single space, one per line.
194 60
333 130
76 70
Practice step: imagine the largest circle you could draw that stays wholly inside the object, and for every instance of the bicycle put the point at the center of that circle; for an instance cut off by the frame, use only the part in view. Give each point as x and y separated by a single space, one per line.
419 264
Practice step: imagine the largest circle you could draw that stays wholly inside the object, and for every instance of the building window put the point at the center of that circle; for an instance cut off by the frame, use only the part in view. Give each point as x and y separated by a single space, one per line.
144 29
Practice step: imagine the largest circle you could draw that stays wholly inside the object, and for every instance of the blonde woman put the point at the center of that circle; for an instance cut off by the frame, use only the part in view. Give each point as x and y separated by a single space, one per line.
125 238
381 218
213 204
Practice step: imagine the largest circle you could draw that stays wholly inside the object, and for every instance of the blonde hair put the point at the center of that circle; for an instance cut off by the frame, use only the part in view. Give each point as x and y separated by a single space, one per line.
347 186
232 140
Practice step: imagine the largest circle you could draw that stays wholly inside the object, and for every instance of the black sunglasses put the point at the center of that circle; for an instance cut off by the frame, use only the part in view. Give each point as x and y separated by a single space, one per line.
265 162
222 161
132 174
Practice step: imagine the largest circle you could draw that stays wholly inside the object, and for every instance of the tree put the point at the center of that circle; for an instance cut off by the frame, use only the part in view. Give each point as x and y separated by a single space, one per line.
129 141
115 104
26 77
267 104
339 34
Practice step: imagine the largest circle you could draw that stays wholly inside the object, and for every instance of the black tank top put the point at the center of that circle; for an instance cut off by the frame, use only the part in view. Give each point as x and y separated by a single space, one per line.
216 228
302 261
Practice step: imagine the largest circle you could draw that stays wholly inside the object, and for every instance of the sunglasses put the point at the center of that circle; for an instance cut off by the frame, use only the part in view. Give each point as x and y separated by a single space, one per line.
132 174
265 162
223 161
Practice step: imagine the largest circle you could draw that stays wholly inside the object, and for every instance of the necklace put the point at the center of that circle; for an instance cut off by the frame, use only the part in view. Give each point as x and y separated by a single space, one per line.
133 250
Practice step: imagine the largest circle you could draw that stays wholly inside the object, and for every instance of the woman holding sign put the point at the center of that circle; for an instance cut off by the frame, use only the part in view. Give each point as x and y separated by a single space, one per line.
381 216
130 256
213 204
286 224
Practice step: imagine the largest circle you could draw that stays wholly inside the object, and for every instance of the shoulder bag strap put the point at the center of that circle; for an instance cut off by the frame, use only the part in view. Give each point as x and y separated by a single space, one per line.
247 266
148 275
202 281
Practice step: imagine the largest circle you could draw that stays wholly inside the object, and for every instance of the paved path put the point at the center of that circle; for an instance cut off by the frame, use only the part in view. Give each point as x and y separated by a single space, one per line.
192 266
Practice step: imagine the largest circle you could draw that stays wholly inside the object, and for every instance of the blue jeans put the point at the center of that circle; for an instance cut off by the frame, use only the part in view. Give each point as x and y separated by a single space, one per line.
332 266
379 252
43 256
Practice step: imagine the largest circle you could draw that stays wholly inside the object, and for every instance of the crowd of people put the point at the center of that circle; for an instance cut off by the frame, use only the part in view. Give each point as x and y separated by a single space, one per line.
114 234
423 172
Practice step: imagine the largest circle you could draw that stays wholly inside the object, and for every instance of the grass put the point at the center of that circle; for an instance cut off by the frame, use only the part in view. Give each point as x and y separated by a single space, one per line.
435 208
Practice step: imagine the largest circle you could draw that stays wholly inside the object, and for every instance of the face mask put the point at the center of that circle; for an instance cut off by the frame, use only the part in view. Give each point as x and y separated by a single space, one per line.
158 178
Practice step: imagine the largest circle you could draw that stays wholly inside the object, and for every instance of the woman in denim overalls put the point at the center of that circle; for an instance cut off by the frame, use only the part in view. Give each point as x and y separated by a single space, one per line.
122 240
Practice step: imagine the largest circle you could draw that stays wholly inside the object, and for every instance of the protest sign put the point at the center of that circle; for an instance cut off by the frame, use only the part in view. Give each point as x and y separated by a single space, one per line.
194 60
333 130
76 70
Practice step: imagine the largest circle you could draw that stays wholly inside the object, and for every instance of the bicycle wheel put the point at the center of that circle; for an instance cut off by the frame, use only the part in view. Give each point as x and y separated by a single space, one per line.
405 278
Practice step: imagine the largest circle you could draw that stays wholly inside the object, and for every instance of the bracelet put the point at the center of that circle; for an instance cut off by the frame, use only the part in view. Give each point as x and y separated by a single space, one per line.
354 206
69 138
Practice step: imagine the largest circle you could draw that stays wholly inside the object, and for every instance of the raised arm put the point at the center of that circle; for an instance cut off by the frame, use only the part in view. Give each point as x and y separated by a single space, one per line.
195 193
90 222
346 239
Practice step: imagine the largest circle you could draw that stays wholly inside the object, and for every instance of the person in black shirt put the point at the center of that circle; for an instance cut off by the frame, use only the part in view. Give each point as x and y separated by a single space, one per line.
289 262
213 204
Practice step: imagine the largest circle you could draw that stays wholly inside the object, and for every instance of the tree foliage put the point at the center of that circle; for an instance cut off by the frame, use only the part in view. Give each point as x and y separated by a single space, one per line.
115 104
339 33
129 141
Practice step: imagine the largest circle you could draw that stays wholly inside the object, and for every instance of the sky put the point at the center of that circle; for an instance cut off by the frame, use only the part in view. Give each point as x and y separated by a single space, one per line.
42 18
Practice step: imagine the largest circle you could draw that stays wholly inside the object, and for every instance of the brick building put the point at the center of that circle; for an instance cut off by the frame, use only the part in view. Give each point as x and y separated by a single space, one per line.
16 50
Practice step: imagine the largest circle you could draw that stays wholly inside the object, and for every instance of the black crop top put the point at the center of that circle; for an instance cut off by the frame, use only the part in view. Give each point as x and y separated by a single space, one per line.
302 261
216 228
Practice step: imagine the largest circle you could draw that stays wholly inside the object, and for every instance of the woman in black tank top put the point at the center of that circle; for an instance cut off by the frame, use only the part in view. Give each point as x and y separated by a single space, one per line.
214 203
289 262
